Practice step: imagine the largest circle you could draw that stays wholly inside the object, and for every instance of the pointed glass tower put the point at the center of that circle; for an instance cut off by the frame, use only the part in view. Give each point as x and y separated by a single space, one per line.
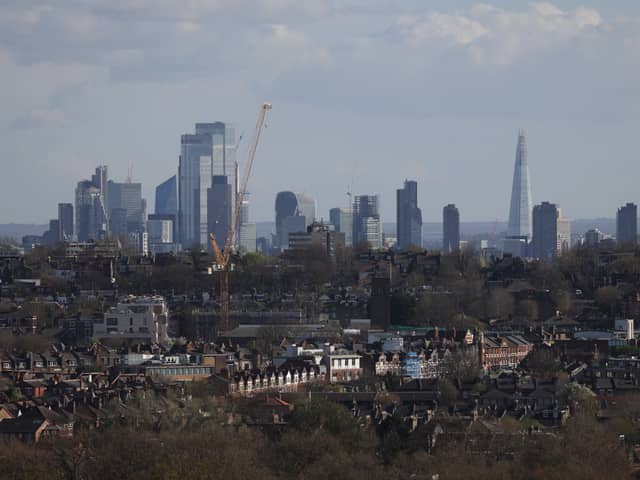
521 203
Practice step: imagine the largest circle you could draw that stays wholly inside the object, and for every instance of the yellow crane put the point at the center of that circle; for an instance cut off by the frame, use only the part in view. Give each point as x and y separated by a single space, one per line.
223 257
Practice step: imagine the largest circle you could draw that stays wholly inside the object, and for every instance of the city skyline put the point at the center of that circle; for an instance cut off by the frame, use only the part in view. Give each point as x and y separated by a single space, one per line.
441 123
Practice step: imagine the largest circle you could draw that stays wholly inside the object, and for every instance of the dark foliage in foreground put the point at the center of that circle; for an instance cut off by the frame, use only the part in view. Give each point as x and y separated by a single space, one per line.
321 441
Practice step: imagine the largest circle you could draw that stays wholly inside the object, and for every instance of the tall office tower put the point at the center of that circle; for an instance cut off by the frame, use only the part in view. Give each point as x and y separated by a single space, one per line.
627 224
544 243
564 233
100 179
219 209
92 220
367 226
65 220
450 229
551 232
167 198
90 212
247 231
50 237
210 151
519 228
118 222
167 203
408 216
126 197
342 221
294 213
160 233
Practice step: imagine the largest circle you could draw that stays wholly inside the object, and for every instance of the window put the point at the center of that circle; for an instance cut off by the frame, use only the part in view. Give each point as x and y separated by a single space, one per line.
112 321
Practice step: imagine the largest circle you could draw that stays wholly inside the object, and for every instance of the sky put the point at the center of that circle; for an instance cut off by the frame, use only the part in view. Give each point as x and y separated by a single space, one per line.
365 94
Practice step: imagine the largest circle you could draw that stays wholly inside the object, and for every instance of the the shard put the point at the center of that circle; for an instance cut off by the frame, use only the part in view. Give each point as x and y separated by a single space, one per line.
521 203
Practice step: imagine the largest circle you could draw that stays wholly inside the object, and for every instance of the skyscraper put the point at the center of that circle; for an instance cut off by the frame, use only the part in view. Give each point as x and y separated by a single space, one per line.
450 229
519 228
367 226
342 221
160 233
210 151
246 230
551 232
100 179
51 236
91 220
65 221
219 209
545 231
127 198
167 198
294 213
408 215
627 224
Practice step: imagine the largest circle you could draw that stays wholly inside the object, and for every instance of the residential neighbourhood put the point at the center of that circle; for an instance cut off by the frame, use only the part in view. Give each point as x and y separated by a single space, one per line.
414 349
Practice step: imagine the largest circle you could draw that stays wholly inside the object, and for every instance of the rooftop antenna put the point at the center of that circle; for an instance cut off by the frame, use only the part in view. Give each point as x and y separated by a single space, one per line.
130 173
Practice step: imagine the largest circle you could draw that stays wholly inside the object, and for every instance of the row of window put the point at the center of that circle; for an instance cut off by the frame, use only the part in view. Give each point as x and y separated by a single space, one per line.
178 371
345 362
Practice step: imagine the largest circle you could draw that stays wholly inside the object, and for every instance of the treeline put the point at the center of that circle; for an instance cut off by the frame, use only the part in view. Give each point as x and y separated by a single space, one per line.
321 440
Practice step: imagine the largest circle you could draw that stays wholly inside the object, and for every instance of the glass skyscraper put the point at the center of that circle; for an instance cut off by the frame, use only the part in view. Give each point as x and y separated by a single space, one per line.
167 198
65 220
208 152
408 216
90 215
450 229
294 213
91 206
627 224
342 220
366 221
219 210
519 229
551 232
246 229
126 197
521 203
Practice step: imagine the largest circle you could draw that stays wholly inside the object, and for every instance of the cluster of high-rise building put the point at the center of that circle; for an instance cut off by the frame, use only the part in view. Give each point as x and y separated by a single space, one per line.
201 199
103 209
541 231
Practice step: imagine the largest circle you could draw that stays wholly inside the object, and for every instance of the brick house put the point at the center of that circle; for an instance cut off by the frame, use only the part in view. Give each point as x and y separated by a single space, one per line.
503 352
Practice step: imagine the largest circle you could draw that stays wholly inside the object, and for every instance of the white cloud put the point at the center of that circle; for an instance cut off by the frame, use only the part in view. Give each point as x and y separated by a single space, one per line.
497 36
107 68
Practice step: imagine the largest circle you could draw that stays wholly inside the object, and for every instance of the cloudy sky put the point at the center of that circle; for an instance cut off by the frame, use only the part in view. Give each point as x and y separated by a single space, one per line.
365 93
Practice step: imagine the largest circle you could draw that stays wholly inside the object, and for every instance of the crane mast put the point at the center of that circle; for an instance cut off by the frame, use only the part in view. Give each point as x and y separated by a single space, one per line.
223 257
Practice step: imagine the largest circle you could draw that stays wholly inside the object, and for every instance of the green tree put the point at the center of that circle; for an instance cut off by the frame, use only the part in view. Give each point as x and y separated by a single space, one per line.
322 415
528 310
608 300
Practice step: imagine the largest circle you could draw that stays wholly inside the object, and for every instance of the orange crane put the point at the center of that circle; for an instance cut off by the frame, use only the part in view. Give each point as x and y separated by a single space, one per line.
222 257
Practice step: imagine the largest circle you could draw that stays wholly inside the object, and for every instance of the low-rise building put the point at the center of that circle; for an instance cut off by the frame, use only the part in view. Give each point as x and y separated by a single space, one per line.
503 352
342 365
136 317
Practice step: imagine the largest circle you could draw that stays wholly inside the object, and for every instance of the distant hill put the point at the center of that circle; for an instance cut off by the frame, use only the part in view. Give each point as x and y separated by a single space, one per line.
19 230
430 230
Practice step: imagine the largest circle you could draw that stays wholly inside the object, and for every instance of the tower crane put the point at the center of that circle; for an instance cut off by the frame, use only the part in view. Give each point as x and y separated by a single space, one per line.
223 256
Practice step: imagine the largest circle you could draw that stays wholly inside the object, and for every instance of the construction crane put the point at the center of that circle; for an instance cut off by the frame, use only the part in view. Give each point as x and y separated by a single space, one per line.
223 256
